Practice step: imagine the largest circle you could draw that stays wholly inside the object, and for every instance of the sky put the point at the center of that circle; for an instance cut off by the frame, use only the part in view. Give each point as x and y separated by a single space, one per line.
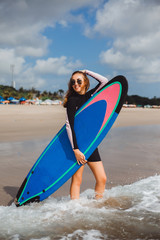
43 41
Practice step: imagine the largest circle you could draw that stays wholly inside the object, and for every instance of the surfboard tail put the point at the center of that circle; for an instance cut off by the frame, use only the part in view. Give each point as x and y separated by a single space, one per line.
34 199
20 192
31 200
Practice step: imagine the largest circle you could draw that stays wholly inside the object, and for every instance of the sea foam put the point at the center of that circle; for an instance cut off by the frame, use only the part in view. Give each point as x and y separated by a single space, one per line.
126 212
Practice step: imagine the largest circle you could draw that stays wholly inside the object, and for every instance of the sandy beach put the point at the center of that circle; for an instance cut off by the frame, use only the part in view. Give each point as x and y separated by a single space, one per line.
31 123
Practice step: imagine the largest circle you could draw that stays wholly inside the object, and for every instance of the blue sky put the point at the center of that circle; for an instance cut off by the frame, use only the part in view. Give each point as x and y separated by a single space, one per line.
47 40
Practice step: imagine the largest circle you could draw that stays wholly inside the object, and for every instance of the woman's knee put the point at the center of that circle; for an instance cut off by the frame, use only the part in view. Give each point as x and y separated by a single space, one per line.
105 179
77 180
102 179
77 177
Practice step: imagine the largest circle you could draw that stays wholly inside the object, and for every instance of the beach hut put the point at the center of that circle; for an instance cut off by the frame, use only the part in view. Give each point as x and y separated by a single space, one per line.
48 102
56 102
38 101
15 101
6 102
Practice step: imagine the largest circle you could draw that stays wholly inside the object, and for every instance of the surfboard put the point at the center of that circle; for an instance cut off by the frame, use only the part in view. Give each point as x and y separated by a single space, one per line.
57 163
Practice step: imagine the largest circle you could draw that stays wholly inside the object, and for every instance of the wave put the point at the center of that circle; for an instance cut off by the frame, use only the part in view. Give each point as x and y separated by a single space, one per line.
126 212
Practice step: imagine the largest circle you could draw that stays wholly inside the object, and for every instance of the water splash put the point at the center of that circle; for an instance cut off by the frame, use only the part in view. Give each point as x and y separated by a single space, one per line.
125 212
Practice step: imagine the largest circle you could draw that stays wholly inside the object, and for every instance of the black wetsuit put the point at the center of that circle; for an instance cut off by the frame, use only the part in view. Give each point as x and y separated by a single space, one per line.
74 102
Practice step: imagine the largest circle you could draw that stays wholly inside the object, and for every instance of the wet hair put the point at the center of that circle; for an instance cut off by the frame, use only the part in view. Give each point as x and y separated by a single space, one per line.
70 90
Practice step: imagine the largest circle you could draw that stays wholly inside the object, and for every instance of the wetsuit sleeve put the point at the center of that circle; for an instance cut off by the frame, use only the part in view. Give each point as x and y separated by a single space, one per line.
101 79
71 111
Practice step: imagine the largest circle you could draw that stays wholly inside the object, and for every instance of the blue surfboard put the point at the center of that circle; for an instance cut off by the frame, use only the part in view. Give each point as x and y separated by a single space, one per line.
57 163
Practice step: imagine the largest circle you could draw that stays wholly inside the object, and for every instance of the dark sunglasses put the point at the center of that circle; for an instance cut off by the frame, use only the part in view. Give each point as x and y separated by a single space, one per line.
79 81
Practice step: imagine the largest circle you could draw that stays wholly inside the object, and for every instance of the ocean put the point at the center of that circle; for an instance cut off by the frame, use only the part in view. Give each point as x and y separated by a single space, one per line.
129 210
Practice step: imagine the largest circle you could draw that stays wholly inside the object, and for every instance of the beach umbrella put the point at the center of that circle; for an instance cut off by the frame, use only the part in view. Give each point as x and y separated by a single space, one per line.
1 98
22 99
10 98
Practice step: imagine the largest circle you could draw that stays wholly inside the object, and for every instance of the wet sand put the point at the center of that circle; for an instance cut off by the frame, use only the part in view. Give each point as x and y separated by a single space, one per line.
24 125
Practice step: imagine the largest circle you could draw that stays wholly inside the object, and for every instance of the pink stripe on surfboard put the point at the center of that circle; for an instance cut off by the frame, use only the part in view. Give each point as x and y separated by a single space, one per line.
110 95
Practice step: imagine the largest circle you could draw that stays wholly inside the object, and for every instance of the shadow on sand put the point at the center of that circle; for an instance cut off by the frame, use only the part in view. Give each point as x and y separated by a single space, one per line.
12 191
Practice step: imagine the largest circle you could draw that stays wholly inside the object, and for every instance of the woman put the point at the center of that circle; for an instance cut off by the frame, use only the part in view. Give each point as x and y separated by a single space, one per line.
75 97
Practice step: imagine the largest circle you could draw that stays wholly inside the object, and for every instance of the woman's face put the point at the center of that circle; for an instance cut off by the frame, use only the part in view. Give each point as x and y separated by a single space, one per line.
78 83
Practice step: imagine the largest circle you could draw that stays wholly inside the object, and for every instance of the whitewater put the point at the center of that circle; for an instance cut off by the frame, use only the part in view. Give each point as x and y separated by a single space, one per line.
126 212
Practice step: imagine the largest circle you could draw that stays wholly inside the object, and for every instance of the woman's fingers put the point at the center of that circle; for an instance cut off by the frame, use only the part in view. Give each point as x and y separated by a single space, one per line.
82 160
80 157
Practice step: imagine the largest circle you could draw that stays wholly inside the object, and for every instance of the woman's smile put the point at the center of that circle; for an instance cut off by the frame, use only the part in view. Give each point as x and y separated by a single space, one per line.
78 83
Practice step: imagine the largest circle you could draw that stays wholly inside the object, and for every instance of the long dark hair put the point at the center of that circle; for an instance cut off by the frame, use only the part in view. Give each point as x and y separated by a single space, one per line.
70 90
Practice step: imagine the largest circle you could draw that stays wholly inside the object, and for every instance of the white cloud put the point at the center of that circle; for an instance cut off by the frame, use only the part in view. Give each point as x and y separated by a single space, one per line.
41 74
58 66
133 28
128 17
8 58
31 51
22 22
29 79
36 75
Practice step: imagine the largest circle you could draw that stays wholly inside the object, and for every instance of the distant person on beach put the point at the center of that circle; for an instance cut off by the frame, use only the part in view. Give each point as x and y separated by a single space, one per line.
76 96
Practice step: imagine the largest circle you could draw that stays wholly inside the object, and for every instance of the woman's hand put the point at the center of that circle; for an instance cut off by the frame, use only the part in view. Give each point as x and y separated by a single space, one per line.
84 71
79 156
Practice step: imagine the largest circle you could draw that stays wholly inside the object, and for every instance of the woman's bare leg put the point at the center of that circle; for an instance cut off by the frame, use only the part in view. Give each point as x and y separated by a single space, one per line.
76 183
100 176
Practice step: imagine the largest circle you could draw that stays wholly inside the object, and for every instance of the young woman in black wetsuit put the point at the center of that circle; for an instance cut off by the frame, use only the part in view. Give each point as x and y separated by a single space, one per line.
76 96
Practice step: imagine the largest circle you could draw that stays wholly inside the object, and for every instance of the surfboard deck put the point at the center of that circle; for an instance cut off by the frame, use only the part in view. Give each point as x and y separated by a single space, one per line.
57 163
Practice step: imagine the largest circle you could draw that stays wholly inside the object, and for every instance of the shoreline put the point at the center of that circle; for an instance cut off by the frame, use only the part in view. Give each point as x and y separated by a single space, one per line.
27 122
30 123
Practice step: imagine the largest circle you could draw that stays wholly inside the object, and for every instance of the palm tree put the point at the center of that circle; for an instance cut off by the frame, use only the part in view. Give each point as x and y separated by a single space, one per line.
61 92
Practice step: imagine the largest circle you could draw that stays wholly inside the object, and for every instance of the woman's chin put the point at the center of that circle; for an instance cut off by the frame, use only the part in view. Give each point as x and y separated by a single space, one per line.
77 90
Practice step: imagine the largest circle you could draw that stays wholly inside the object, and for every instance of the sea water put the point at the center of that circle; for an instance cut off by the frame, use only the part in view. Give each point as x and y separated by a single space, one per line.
130 211
126 212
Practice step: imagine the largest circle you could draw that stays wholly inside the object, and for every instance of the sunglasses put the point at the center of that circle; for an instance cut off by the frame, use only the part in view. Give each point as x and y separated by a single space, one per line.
73 82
